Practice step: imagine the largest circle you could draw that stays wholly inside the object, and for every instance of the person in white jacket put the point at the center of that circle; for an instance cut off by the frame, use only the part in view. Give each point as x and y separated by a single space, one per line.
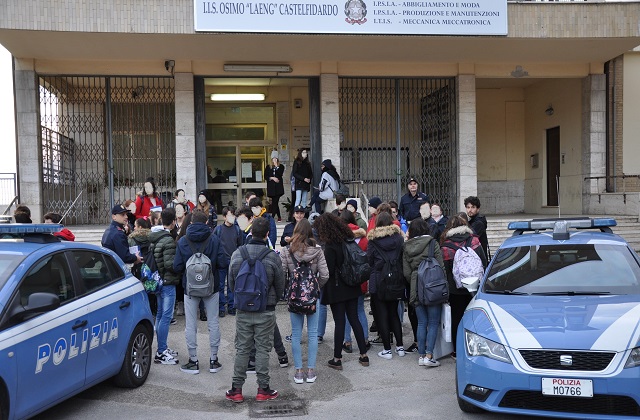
329 183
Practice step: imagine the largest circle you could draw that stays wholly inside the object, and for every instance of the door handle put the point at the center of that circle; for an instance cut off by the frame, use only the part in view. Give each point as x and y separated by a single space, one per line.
235 185
80 324
125 304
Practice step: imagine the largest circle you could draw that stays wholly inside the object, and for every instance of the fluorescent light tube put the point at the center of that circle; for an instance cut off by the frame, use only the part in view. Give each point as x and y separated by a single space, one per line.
237 96
273 68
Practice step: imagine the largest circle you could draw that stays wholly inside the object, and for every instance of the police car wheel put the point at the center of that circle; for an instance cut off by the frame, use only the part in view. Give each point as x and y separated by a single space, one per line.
4 403
137 359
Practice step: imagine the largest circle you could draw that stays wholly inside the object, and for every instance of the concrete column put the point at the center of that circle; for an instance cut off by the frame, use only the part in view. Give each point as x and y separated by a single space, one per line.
185 135
28 148
330 120
594 137
467 156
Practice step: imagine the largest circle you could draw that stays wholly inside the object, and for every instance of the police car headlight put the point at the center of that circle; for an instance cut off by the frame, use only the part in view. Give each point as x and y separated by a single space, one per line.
480 346
634 358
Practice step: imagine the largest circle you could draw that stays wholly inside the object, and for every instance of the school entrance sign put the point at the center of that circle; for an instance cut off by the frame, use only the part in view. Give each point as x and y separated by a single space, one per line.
459 17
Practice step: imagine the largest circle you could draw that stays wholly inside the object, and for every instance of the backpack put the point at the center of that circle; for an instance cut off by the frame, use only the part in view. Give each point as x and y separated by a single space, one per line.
200 281
342 190
304 289
391 285
466 263
252 283
136 269
355 268
149 274
432 283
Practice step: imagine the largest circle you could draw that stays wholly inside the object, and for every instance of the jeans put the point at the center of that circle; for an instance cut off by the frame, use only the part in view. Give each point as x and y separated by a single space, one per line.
301 198
388 321
363 322
191 320
315 199
428 327
322 318
297 322
166 302
253 328
228 299
350 309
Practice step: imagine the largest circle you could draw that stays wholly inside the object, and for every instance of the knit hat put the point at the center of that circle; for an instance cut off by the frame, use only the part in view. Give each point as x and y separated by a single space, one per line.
353 203
327 163
375 202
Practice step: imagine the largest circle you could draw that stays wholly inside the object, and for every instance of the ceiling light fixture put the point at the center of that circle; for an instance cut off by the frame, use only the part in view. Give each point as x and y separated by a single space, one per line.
272 68
238 97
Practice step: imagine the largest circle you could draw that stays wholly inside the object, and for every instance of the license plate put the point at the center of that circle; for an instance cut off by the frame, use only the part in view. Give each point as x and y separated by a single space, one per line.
567 387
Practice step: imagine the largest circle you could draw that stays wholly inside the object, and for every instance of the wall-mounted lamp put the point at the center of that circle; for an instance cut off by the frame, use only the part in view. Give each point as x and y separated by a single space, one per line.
237 97
169 65
257 68
519 72
549 111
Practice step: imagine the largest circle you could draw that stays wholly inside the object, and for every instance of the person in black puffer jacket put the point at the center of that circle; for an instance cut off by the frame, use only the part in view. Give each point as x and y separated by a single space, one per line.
386 238
303 175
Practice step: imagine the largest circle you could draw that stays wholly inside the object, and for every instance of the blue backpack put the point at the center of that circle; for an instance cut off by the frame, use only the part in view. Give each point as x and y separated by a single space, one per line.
252 283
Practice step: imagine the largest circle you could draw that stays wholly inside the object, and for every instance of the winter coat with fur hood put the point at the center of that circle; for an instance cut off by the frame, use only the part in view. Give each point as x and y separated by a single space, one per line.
458 237
312 255
387 240
414 251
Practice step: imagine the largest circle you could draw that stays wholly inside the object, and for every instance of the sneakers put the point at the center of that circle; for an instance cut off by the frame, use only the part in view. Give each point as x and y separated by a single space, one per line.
385 354
298 377
165 358
287 338
400 351
283 360
172 352
173 321
266 394
179 309
231 311
373 327
413 348
235 395
192 367
311 376
421 361
320 339
363 360
214 366
251 369
337 365
377 341
203 315
347 347
429 362
221 314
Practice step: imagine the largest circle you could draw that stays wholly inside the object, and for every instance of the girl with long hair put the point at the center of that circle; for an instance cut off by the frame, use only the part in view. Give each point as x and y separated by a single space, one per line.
303 175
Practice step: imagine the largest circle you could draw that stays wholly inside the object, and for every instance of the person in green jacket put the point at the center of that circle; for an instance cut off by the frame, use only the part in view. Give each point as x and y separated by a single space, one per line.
415 250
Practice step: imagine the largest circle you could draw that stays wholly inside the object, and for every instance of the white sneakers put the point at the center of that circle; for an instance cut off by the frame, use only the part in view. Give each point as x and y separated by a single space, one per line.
385 354
425 361
400 351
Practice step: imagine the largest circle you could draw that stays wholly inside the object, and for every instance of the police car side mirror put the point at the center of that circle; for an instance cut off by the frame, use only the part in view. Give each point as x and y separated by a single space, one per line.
41 302
471 284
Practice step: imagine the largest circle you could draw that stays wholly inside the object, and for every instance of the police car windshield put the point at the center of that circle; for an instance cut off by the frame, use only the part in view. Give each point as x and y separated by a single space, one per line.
8 263
565 269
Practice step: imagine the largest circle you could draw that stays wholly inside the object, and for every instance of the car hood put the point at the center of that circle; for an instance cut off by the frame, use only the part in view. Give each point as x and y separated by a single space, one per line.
559 322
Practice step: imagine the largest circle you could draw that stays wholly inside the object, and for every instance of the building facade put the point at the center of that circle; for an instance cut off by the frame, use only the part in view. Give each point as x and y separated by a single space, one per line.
539 118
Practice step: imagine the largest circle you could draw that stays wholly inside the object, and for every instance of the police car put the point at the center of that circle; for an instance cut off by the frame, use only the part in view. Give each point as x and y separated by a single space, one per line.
71 316
554 329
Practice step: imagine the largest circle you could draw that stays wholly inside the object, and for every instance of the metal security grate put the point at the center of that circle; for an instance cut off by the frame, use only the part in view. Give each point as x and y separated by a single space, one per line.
279 408
607 405
101 138
392 129
580 360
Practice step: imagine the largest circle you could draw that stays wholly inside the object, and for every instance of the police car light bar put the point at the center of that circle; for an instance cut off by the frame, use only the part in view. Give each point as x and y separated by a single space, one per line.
22 228
561 226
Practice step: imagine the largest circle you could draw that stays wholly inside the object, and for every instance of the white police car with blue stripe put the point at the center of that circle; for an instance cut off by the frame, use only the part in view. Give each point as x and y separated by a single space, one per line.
71 316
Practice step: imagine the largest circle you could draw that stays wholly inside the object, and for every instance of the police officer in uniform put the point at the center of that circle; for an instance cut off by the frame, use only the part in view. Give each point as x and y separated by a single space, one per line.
114 237
410 202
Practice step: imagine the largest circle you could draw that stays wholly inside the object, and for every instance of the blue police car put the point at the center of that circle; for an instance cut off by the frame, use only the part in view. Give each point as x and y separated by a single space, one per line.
71 316
554 329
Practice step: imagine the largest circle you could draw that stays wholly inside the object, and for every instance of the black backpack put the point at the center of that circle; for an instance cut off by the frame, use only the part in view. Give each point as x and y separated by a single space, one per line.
391 286
136 268
355 268
304 289
432 283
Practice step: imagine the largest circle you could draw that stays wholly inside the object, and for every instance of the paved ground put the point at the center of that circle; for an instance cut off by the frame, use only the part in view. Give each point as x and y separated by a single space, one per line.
395 388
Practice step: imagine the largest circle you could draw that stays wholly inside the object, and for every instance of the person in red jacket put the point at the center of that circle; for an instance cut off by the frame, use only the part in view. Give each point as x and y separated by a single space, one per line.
360 236
147 199
65 234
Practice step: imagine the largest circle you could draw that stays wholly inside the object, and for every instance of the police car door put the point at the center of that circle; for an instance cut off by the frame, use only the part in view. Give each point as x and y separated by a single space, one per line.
110 311
50 347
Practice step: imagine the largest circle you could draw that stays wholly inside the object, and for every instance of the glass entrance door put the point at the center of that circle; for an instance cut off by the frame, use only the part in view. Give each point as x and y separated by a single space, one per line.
236 169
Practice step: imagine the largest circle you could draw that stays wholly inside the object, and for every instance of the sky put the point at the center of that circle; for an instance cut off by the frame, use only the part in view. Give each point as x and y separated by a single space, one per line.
7 118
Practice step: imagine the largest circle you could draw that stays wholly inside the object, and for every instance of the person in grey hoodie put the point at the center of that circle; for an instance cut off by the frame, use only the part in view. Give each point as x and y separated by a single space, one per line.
414 251
303 248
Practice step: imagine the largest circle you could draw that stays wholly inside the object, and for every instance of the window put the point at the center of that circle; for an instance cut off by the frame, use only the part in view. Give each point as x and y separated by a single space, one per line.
50 275
95 270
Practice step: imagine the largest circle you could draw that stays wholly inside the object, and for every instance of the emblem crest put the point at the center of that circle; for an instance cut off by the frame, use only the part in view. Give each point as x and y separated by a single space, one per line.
356 12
